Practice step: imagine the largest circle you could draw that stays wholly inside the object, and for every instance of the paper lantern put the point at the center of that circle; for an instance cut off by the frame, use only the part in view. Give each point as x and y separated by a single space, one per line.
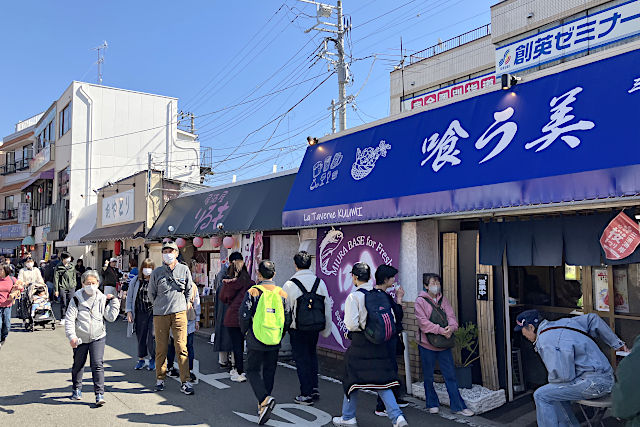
216 241
181 243
198 242
166 240
228 242
117 247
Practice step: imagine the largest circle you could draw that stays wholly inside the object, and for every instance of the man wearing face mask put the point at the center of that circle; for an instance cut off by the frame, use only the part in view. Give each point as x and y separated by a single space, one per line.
64 281
30 275
170 294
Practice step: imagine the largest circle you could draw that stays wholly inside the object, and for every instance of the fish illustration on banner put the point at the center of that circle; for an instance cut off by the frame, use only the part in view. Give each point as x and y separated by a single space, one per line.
338 250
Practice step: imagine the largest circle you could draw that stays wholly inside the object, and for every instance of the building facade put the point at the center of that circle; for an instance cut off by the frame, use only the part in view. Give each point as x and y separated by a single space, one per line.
89 137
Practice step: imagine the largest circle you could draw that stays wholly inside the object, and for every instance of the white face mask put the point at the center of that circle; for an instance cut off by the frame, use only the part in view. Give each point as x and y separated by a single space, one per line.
90 289
434 289
168 258
66 261
147 271
29 265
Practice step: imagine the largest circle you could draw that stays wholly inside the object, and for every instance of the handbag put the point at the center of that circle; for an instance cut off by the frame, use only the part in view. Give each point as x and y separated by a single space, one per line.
191 314
439 317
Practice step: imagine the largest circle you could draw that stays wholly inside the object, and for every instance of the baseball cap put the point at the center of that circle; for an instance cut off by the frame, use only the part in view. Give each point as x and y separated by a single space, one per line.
235 256
113 260
169 245
528 317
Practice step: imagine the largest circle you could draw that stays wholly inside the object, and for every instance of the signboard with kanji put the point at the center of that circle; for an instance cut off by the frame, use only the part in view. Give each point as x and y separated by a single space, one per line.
118 208
482 287
620 238
585 33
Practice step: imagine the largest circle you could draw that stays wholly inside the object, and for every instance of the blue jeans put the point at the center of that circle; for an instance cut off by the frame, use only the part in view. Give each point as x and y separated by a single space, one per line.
553 401
303 346
447 368
50 290
171 351
349 405
5 322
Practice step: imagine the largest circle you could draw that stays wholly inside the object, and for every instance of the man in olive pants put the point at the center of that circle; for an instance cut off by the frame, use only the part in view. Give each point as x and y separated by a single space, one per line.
170 293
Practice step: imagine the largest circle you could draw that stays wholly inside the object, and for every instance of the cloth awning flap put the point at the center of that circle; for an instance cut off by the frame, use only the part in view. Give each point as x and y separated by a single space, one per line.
43 175
115 232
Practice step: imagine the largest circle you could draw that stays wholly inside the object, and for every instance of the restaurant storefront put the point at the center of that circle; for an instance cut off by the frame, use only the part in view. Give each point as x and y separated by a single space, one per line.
506 194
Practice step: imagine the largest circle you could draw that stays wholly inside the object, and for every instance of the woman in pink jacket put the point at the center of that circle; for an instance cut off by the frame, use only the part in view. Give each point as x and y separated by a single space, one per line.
429 299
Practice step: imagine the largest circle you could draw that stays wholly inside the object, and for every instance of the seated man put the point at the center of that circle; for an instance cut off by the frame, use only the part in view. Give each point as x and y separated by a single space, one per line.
576 367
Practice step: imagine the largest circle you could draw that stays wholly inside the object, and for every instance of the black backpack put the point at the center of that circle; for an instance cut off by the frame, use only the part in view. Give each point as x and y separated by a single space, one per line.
309 308
381 323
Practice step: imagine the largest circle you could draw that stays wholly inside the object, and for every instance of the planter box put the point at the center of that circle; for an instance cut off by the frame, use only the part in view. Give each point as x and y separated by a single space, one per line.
479 399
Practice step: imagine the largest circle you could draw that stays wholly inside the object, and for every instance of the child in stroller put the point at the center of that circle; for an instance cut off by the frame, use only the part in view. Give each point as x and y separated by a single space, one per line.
40 303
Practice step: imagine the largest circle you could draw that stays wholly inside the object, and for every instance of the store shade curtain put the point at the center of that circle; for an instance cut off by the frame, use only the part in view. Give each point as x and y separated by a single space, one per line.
546 241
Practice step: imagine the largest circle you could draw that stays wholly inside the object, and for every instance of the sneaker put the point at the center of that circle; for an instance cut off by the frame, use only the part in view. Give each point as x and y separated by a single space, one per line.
233 373
152 365
381 413
140 365
62 322
402 403
160 385
315 394
239 378
400 422
264 409
466 412
173 372
187 388
434 410
100 399
192 377
339 421
303 400
76 394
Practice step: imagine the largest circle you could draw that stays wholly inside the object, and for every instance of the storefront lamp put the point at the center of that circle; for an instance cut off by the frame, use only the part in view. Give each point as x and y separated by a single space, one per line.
312 141
508 81
181 243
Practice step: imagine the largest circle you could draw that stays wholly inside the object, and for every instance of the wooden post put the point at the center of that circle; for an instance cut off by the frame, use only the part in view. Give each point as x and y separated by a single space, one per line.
450 277
611 313
486 328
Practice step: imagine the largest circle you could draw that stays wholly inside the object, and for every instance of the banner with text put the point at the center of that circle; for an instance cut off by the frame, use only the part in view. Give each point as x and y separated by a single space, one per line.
338 249
601 28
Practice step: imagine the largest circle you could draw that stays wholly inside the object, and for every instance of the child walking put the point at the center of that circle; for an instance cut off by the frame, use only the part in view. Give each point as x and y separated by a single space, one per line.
264 319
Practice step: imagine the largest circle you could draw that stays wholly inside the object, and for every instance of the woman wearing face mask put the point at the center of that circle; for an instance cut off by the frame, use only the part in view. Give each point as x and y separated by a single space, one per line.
29 275
85 329
64 280
139 311
432 311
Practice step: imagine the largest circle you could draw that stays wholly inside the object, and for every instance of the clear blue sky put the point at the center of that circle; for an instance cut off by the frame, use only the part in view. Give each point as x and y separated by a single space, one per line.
215 54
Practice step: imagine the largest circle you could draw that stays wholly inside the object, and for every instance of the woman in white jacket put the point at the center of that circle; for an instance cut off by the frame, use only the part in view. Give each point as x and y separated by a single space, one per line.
85 329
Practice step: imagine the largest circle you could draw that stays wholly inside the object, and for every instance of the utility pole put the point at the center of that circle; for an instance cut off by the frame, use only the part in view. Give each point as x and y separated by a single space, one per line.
337 59
100 50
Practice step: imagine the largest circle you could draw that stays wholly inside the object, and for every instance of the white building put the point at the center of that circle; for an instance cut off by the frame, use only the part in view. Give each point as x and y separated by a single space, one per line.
90 136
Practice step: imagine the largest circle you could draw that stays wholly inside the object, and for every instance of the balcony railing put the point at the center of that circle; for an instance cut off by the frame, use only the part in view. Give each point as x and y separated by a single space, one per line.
452 43
7 169
8 214
23 163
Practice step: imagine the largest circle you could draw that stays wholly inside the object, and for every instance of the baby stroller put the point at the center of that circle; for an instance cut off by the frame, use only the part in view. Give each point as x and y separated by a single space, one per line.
43 314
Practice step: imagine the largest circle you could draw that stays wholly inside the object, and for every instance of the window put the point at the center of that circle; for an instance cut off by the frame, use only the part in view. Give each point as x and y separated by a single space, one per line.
42 195
10 162
63 182
52 130
65 119
8 203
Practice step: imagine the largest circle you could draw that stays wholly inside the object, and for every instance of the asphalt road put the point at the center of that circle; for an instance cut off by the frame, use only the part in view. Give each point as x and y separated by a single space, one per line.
35 386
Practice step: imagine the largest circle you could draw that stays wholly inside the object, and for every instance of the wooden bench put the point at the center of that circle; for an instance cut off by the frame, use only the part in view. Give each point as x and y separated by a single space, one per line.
600 404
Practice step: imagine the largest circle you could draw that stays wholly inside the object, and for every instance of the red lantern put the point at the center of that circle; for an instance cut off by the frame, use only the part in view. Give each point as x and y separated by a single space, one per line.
216 241
181 243
228 242
198 242
117 247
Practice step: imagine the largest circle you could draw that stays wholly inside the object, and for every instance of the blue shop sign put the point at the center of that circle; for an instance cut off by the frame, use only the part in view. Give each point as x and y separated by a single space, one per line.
14 231
565 137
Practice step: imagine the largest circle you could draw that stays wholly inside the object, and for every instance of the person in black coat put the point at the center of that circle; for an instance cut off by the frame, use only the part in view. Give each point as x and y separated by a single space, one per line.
222 339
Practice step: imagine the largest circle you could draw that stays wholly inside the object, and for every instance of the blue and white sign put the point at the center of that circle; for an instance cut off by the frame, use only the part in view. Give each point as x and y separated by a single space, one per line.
608 26
564 137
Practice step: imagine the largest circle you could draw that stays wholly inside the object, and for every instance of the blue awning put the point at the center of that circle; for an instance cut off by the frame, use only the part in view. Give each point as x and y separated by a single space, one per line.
566 137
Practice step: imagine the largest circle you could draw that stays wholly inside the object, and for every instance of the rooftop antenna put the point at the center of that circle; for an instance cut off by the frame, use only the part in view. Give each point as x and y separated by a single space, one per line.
100 50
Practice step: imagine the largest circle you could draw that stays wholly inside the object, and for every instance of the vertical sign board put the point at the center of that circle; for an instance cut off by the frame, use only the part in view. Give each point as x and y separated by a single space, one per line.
482 290
24 213
338 249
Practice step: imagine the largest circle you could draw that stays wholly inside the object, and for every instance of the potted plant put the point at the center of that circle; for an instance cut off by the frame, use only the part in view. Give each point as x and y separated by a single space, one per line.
466 338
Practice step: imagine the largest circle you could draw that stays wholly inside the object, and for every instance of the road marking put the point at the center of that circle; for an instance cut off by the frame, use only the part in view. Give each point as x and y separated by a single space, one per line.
211 379
321 417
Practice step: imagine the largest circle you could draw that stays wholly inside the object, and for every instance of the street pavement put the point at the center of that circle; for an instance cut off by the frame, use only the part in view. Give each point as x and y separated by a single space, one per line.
35 386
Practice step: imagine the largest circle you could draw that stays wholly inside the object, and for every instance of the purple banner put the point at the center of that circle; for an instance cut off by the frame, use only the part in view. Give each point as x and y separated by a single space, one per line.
338 249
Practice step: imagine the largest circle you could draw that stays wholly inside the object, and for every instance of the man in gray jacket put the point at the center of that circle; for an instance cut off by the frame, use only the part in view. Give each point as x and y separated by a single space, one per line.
170 293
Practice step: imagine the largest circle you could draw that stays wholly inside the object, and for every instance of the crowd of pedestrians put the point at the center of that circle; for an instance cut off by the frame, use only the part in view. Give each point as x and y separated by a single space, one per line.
163 311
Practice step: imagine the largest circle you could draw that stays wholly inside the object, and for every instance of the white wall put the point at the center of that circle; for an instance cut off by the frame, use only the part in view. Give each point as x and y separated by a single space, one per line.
111 119
282 250
419 254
